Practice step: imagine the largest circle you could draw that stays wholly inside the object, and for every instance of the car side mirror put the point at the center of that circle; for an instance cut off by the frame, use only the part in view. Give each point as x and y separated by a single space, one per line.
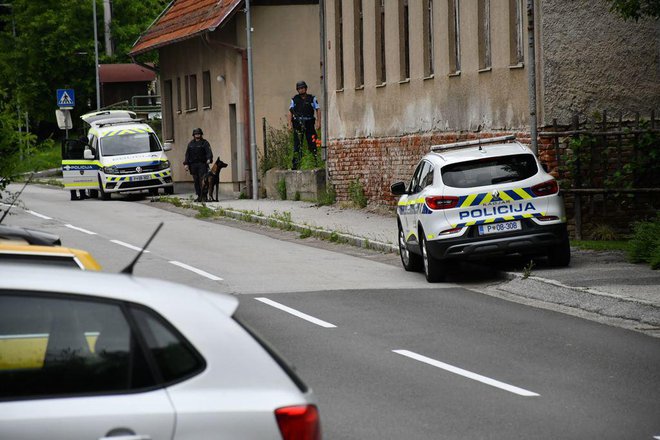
398 189
167 146
545 167
88 155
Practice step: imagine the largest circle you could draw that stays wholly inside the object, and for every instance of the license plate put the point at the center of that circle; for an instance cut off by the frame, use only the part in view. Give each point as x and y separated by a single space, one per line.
136 178
496 228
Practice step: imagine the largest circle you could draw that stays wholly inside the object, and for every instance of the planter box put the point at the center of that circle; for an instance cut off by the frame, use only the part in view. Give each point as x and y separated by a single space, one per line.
309 184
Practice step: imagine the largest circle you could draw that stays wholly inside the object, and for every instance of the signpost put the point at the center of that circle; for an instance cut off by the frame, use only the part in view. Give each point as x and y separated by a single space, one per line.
66 100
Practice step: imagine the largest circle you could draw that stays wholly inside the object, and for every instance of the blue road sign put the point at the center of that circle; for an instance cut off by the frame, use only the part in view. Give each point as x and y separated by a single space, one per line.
66 98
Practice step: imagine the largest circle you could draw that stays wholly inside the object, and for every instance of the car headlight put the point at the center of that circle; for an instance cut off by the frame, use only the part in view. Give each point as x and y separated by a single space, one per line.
164 165
111 170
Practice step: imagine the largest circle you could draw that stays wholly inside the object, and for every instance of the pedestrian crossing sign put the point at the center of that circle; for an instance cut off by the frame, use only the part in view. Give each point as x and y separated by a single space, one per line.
66 98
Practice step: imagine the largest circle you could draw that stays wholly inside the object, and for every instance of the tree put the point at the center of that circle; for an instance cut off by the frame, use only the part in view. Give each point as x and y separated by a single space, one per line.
54 48
636 9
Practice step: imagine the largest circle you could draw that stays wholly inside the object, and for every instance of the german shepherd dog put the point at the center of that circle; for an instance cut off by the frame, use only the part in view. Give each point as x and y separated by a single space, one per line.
212 181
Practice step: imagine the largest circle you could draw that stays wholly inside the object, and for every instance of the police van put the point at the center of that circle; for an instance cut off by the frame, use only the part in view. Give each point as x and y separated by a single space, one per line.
479 199
119 154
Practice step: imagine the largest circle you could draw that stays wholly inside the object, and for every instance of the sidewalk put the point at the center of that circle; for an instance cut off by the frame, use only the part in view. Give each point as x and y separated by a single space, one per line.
598 282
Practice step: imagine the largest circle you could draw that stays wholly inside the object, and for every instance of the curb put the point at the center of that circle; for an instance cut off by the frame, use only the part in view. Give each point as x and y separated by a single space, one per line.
583 298
332 236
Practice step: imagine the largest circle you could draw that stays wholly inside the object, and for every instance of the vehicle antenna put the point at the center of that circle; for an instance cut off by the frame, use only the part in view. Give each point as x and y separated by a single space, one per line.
16 197
129 269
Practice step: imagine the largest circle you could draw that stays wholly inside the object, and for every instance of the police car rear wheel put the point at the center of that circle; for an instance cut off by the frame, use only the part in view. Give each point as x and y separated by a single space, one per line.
433 268
560 255
411 262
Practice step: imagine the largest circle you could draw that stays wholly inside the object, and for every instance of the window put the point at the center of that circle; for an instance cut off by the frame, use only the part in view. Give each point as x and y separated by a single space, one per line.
179 105
484 172
339 44
381 71
359 43
427 179
454 37
58 346
174 356
428 37
516 48
191 92
206 89
404 40
484 34
421 173
168 123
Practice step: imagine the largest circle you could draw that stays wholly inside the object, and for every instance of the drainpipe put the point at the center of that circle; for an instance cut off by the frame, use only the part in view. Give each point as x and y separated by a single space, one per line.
324 91
253 135
531 76
246 104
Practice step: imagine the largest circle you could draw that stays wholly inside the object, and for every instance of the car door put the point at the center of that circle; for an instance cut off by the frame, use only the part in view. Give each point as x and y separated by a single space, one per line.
416 200
78 172
72 368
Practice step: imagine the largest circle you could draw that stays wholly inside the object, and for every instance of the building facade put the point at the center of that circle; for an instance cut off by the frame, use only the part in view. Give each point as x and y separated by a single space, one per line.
406 74
204 77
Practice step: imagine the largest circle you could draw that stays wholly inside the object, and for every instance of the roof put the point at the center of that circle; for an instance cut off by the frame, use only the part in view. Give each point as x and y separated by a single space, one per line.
119 73
182 20
479 152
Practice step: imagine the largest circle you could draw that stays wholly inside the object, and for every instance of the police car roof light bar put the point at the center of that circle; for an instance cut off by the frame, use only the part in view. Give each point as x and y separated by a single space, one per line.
462 144
118 122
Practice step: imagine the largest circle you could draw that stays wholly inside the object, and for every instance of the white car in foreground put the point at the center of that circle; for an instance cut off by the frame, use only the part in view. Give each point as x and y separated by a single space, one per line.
112 356
479 199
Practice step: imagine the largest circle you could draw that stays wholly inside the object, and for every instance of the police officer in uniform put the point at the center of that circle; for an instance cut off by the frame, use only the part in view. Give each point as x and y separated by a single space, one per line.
198 158
304 119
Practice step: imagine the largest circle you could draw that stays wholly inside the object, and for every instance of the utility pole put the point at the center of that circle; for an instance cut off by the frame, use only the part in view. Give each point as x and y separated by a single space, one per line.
96 58
324 91
107 21
531 76
253 134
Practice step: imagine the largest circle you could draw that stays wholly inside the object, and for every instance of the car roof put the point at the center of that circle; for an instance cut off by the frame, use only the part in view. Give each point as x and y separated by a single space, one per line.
44 254
475 152
153 293
31 236
106 115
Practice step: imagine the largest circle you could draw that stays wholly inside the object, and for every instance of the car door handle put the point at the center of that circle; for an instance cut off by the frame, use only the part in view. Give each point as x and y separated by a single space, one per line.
127 437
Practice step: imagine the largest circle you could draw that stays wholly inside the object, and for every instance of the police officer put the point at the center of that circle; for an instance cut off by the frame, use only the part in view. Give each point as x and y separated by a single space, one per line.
198 158
304 119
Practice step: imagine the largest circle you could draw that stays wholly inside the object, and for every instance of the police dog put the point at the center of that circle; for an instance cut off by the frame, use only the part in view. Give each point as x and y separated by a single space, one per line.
212 181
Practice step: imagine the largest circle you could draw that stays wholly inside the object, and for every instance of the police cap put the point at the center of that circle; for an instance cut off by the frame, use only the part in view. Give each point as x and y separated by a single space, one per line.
198 131
301 84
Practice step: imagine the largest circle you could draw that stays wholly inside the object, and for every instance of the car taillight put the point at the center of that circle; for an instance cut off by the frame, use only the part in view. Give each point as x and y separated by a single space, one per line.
546 188
441 202
299 422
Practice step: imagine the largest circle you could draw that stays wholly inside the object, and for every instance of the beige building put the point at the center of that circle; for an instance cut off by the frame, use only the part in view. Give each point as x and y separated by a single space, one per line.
203 73
405 74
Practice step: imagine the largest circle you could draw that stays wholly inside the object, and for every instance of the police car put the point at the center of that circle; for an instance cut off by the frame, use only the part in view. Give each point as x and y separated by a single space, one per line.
477 199
120 154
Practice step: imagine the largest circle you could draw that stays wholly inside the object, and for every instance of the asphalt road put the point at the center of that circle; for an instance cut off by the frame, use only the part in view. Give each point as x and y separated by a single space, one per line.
389 356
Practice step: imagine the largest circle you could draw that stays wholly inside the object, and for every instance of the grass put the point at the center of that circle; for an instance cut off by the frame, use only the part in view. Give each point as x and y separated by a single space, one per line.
42 157
598 245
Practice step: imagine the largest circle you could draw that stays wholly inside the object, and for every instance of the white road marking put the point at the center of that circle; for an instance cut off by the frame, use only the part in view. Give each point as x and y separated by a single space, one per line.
130 246
468 374
36 214
80 229
295 312
197 271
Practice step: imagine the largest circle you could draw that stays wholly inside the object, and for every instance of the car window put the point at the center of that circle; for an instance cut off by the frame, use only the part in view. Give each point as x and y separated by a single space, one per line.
427 176
416 184
56 346
129 143
489 171
175 357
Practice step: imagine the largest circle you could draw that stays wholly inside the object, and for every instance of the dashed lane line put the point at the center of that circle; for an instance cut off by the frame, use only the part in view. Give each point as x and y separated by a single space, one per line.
297 313
130 246
36 214
80 229
468 374
197 271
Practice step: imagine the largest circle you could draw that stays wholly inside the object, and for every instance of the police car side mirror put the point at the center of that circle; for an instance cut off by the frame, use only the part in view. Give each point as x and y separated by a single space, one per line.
398 189
88 155
167 146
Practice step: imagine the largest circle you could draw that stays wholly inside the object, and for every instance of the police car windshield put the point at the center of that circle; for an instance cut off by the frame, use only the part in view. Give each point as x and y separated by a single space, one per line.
489 171
129 143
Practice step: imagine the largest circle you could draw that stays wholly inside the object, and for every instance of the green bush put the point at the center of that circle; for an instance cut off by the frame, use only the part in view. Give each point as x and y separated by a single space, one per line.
644 247
356 194
278 150
328 196
281 189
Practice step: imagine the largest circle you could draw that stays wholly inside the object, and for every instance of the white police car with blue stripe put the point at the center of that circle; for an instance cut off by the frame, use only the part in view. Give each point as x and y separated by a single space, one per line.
477 199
